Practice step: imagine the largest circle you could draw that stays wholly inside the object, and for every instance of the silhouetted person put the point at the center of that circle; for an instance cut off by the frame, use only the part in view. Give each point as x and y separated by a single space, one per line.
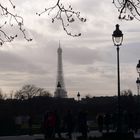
49 125
136 121
125 121
114 121
131 121
18 123
100 122
44 124
58 124
82 123
69 122
107 121
30 122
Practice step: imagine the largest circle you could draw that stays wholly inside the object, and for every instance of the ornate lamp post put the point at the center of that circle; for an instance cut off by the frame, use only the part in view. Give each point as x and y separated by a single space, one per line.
59 89
117 38
138 85
138 79
138 68
78 96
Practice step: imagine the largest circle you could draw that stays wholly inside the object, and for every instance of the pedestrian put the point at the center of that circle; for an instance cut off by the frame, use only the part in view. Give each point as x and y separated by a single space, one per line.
30 123
100 122
18 124
49 125
69 122
58 124
107 121
82 123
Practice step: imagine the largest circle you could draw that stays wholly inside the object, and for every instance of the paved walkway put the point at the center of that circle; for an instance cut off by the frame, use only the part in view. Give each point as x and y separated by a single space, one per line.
41 137
24 137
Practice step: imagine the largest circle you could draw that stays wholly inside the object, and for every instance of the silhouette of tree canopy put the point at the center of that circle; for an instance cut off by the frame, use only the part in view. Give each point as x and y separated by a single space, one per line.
9 18
128 9
30 91
126 92
2 95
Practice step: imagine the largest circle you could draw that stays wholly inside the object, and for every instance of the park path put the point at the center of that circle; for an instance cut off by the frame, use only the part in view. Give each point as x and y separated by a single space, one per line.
22 137
41 137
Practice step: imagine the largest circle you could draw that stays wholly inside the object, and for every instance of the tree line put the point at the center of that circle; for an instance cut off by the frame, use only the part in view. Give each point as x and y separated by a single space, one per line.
26 92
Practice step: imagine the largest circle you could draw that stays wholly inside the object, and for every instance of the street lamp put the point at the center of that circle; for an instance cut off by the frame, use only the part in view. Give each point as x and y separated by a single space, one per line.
138 89
138 85
59 89
78 96
138 79
117 38
138 68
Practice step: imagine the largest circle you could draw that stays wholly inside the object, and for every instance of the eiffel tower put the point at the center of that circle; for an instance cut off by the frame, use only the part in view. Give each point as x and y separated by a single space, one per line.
60 90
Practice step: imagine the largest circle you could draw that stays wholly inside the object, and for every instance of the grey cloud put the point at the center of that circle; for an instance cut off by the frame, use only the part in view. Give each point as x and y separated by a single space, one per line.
93 8
81 55
103 70
135 30
11 62
90 7
130 53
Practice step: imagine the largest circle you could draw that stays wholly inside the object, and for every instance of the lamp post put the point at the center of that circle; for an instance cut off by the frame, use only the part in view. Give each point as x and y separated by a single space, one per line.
138 79
138 68
78 96
138 90
117 38
59 89
138 85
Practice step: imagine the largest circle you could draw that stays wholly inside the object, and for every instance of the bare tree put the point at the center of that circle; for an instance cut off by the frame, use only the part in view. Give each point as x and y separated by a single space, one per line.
30 91
43 92
128 9
26 92
66 15
2 95
126 92
8 18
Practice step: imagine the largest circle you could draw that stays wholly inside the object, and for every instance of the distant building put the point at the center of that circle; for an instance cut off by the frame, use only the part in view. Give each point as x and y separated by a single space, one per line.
60 90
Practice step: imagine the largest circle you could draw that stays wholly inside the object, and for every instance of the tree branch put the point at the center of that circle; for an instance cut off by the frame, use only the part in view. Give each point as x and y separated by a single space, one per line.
128 9
5 13
62 14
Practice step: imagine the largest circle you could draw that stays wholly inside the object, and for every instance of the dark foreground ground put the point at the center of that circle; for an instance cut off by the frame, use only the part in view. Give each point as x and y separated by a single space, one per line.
94 135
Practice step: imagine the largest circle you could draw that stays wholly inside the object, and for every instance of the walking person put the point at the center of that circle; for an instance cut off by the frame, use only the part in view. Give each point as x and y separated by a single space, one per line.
49 125
82 123
18 124
107 121
100 122
69 122
58 124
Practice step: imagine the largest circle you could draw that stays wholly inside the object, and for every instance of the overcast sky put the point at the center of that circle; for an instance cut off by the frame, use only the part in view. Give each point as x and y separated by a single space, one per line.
89 61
